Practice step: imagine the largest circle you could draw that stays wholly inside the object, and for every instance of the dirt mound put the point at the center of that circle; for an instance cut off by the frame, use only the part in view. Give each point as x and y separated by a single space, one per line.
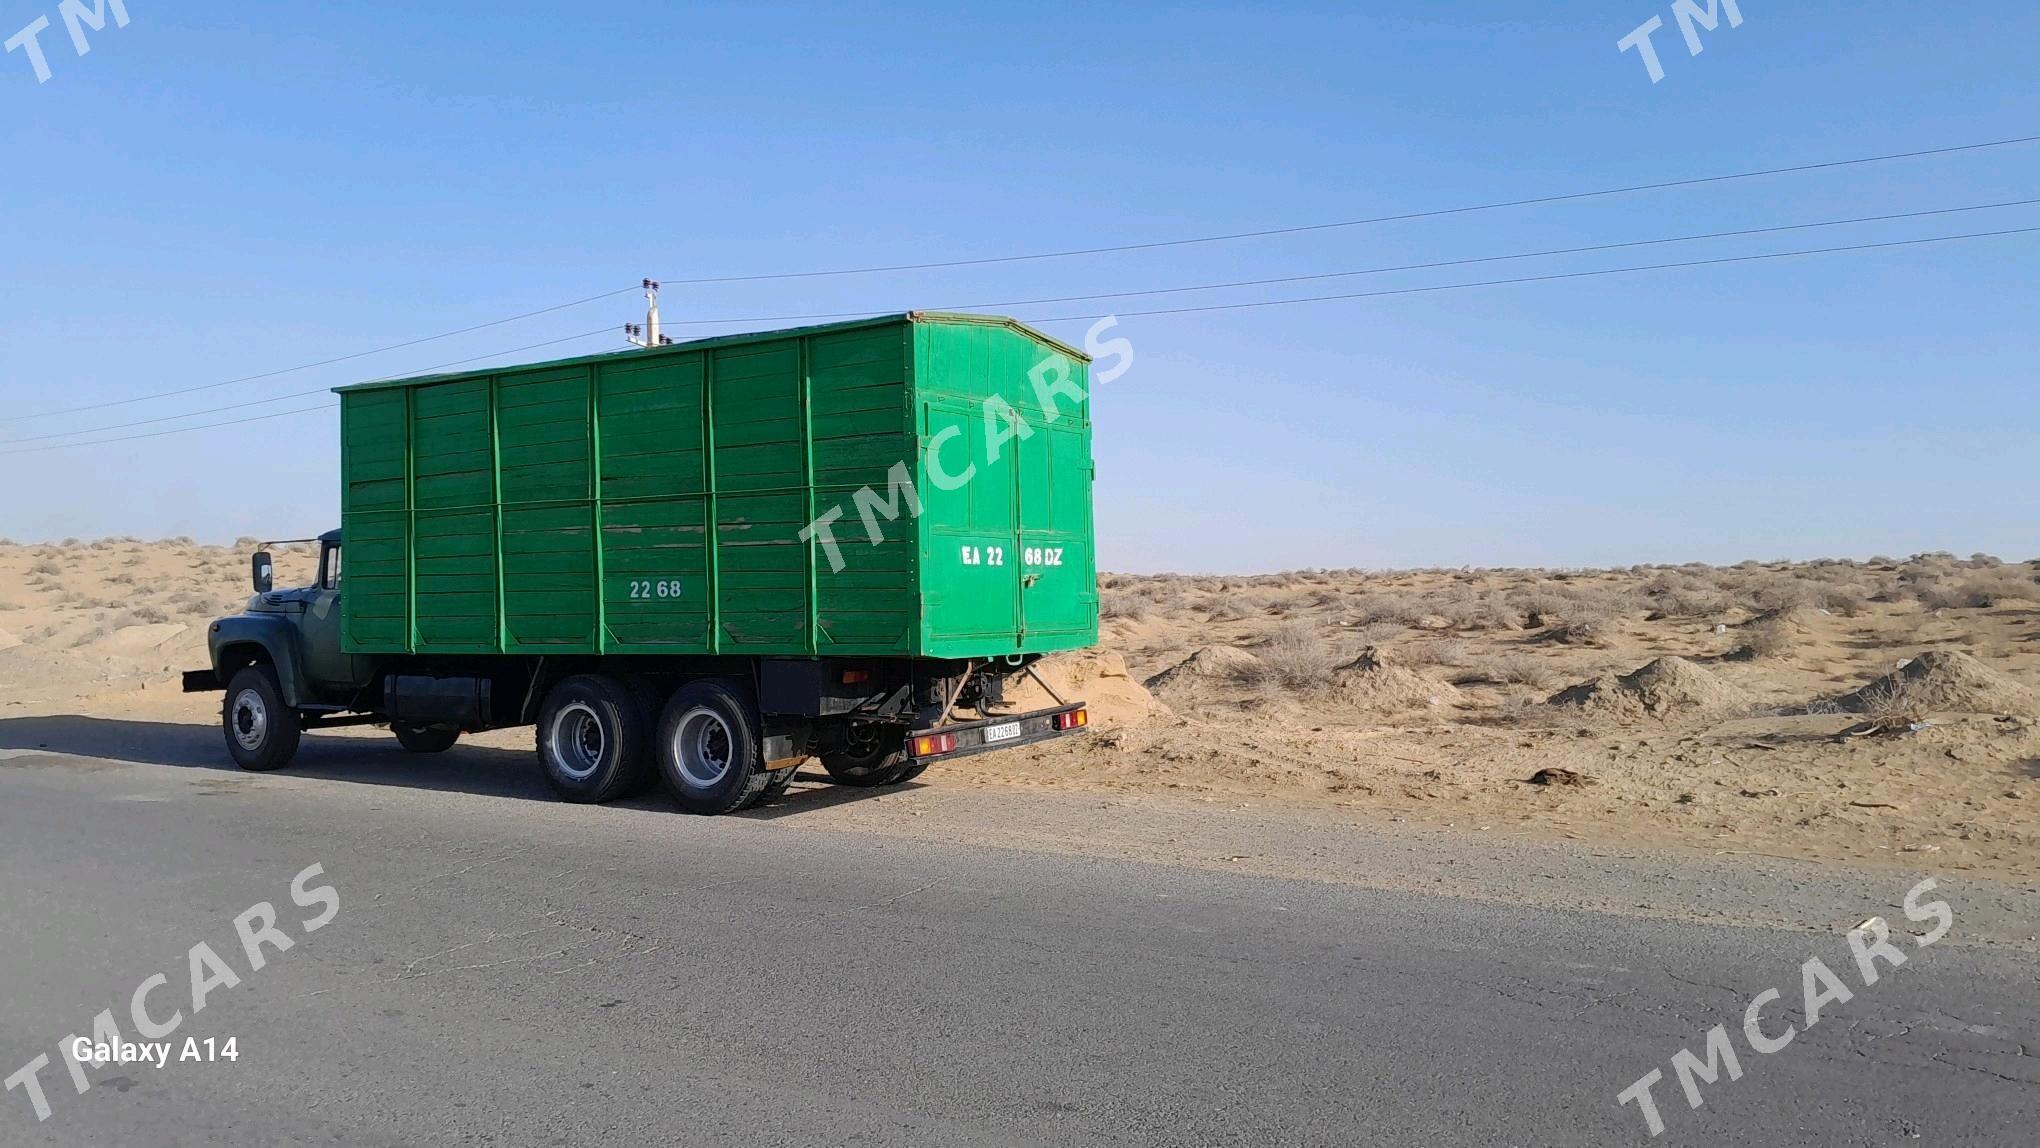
1099 679
1374 682
1798 619
140 639
1951 681
1664 687
8 641
1210 664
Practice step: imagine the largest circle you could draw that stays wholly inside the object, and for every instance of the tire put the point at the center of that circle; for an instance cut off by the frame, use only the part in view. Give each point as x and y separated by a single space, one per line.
424 738
262 732
708 748
775 785
868 759
592 735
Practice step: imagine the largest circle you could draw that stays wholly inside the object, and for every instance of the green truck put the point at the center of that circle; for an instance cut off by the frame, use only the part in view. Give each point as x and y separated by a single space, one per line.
702 563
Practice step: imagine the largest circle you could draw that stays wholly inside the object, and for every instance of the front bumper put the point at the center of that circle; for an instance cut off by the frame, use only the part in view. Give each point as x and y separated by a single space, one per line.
202 682
982 736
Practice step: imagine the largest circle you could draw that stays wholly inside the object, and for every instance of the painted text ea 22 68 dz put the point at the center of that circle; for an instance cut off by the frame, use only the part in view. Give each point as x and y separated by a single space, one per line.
76 17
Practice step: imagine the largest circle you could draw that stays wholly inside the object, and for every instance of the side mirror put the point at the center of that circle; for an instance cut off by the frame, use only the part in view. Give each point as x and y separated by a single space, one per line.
264 571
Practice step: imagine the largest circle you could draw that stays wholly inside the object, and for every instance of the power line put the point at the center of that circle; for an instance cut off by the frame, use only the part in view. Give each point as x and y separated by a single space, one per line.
1662 185
1548 278
320 363
1291 302
1432 266
176 430
1207 239
298 394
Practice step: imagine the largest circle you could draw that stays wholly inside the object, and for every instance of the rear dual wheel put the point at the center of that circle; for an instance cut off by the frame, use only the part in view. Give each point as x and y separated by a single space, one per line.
593 732
709 748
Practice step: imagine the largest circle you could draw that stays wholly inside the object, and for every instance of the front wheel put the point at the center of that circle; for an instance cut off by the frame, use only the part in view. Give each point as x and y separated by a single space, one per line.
709 748
262 732
424 738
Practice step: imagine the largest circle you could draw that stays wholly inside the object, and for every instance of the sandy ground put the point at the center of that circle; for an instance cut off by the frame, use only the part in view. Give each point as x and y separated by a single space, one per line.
1425 697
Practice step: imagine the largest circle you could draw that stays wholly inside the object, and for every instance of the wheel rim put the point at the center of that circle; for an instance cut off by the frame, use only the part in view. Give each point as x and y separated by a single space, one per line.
250 720
862 746
577 741
704 748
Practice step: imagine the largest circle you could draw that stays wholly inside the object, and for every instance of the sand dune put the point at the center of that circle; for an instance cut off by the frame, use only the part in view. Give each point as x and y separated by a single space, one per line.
1760 708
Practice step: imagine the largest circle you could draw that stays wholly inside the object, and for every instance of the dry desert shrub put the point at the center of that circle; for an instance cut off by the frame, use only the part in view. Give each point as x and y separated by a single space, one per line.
1894 705
46 568
1538 606
1295 656
1123 604
1226 608
1977 591
1847 599
1448 653
1398 608
1996 587
1779 594
1769 637
143 616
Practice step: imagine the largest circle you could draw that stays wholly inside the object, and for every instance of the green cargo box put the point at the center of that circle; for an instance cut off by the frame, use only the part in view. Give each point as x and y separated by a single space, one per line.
653 502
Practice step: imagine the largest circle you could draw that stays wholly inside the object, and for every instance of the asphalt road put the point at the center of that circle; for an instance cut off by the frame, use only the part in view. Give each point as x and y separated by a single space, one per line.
505 970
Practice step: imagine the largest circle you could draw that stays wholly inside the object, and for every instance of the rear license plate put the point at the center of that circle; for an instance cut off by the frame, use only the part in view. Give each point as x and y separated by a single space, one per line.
1006 732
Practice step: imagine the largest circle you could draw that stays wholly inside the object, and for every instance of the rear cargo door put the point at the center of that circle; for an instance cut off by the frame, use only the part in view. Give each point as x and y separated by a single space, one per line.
1058 587
973 564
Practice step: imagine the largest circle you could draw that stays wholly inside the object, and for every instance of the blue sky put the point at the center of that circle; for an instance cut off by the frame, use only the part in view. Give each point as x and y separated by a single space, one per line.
219 190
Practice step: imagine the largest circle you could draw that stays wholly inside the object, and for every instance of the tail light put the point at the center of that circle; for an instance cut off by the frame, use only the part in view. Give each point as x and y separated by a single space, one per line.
934 744
1075 719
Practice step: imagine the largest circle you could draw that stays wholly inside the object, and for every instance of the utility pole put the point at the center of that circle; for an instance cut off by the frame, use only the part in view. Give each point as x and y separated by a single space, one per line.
648 335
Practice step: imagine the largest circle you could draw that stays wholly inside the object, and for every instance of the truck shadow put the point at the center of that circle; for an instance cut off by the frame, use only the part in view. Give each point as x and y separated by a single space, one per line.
484 771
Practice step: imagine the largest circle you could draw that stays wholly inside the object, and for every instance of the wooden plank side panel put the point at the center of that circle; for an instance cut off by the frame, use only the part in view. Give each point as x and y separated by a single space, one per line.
454 572
453 521
549 577
761 572
863 424
548 520
450 452
651 427
656 575
372 598
761 499
375 521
